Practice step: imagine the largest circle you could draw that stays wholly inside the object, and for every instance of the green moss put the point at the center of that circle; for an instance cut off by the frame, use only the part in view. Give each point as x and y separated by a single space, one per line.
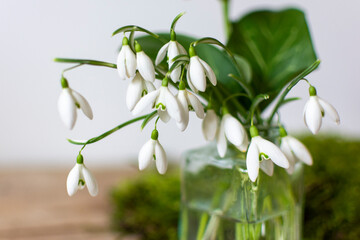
150 204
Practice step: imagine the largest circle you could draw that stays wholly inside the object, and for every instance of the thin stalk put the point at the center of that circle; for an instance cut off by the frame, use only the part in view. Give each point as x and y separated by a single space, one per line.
295 81
226 18
85 61
105 134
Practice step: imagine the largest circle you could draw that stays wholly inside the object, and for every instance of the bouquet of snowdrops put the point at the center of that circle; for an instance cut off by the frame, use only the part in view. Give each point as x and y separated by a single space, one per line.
228 86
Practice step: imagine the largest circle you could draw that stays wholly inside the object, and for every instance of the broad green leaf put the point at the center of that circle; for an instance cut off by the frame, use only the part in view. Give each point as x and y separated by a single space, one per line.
219 61
276 44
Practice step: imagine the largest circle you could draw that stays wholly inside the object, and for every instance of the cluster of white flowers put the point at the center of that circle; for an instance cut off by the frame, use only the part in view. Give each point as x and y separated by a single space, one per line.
138 68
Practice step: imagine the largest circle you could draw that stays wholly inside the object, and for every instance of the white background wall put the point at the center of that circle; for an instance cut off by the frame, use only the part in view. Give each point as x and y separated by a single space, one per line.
33 32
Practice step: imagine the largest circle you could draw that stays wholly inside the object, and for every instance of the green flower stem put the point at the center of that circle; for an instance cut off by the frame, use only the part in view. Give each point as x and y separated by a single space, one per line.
173 24
295 81
257 100
236 103
130 28
202 225
105 134
226 18
85 61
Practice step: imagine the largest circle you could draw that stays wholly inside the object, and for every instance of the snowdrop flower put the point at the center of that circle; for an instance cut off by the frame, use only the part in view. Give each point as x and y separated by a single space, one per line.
263 153
68 102
210 125
294 150
197 72
232 130
137 88
152 150
144 64
316 108
164 101
188 100
79 176
126 61
173 49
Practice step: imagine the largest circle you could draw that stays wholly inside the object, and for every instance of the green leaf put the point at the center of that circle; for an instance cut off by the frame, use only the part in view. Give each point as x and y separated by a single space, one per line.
219 61
276 44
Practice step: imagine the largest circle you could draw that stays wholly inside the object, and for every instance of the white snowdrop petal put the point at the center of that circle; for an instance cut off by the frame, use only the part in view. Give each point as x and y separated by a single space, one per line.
149 86
273 152
197 74
134 91
175 74
84 105
67 108
189 80
161 162
196 105
286 149
210 125
173 51
172 106
146 154
233 130
161 54
313 115
267 166
164 116
145 66
330 110
145 101
121 68
243 147
181 98
300 151
72 182
130 62
181 48
252 160
209 72
90 182
221 142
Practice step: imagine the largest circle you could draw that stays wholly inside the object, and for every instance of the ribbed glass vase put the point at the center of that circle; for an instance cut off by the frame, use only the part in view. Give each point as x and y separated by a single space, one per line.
219 202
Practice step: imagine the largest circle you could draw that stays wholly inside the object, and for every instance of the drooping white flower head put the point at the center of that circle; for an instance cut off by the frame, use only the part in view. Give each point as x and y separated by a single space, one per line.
79 177
137 88
152 150
171 49
210 125
231 129
265 150
126 61
316 108
69 101
188 100
164 101
294 151
197 72
144 64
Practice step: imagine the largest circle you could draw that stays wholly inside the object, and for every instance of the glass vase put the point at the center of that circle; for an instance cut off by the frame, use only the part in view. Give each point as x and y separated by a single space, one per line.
219 202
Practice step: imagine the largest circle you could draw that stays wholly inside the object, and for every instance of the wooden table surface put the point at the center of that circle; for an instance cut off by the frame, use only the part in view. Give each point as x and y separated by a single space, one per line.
35 205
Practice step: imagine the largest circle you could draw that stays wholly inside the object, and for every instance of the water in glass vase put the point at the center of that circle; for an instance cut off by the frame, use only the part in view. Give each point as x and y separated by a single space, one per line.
219 202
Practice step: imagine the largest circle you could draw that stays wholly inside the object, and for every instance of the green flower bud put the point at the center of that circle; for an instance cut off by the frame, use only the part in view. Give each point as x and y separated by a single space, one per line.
312 91
192 52
64 83
165 82
137 47
254 131
80 159
172 35
182 85
125 41
155 134
282 132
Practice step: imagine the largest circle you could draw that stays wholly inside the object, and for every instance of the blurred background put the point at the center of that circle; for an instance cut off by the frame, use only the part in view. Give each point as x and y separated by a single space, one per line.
34 154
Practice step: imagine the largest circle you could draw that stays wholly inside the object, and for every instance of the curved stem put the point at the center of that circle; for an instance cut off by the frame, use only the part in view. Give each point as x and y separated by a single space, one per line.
257 100
105 134
85 61
295 81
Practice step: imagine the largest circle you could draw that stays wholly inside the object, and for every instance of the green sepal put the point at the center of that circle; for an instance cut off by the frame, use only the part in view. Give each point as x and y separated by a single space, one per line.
312 91
155 134
282 132
64 82
254 131
80 159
